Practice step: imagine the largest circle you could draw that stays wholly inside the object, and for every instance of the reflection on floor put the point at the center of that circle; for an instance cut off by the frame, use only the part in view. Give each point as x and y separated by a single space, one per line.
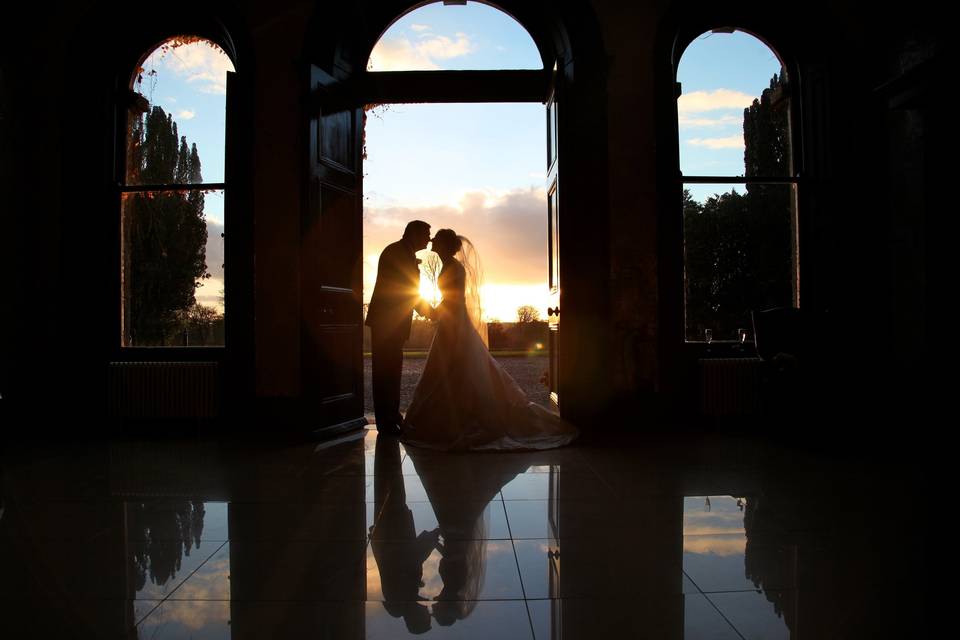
698 538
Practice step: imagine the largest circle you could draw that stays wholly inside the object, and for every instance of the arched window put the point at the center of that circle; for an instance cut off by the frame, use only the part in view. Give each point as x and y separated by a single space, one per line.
435 37
739 184
172 197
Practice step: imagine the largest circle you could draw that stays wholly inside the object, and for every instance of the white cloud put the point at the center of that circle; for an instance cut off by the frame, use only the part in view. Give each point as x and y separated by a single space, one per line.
186 114
722 121
508 229
171 99
400 54
731 142
200 62
420 27
444 48
700 101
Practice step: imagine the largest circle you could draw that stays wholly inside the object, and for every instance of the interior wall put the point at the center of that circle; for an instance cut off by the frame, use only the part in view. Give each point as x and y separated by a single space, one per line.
863 256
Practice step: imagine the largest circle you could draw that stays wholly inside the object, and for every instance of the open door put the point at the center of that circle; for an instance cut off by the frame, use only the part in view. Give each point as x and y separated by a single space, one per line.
331 277
237 370
553 243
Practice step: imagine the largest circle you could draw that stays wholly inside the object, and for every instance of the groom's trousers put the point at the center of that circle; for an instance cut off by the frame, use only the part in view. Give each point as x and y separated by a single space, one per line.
387 349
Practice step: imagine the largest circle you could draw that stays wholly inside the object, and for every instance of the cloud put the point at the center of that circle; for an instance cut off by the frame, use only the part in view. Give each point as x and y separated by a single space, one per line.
722 121
444 48
509 231
199 62
701 101
214 249
728 545
201 602
186 114
400 54
420 27
209 291
187 618
731 142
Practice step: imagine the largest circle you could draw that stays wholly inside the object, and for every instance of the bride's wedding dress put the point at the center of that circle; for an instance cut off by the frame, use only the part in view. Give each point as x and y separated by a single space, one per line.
464 399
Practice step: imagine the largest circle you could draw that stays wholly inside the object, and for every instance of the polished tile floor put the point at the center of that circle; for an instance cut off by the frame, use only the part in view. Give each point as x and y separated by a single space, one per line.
691 537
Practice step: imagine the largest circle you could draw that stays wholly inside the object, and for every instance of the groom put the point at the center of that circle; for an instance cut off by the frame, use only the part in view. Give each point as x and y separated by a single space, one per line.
395 295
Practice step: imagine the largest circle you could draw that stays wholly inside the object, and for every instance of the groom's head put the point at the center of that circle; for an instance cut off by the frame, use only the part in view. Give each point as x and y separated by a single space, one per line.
417 234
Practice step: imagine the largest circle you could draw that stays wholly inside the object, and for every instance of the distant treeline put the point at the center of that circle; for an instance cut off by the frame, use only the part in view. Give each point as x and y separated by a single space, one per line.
527 336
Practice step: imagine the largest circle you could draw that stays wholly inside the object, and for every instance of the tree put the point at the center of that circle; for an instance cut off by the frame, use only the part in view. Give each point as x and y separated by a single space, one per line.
431 266
527 313
496 334
165 231
196 325
737 248
161 536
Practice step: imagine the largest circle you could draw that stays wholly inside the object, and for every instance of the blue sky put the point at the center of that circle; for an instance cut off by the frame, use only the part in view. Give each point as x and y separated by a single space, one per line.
720 75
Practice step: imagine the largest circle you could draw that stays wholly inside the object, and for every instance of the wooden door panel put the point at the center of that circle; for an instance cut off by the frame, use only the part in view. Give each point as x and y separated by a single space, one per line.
331 246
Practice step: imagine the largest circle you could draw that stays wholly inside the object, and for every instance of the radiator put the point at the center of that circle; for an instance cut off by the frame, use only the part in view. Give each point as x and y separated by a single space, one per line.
730 386
163 389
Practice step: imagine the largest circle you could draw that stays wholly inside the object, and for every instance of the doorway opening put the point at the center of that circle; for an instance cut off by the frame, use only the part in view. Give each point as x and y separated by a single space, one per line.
475 167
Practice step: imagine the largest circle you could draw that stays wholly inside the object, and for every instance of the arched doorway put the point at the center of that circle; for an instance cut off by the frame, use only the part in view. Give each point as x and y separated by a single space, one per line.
331 225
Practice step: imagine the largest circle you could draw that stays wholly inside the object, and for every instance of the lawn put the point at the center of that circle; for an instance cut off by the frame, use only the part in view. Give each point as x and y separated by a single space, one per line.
526 369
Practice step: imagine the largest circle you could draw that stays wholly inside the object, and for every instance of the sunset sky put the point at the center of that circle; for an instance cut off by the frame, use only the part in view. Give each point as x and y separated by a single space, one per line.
475 168
479 169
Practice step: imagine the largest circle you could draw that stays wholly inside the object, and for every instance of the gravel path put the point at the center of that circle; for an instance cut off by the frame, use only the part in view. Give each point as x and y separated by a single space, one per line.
527 371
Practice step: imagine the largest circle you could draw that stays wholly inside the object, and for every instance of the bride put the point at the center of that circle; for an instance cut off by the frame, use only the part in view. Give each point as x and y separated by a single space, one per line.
464 399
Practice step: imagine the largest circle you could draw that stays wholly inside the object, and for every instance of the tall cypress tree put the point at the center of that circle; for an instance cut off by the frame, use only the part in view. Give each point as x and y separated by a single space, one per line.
766 153
167 230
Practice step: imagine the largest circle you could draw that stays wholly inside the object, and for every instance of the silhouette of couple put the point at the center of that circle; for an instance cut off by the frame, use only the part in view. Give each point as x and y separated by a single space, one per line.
464 399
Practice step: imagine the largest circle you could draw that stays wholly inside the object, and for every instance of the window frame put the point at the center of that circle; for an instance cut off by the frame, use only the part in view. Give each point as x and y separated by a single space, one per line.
731 348
127 97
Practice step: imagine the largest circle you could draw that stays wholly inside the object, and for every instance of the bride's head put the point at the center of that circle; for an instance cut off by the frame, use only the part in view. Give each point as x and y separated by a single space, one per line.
446 243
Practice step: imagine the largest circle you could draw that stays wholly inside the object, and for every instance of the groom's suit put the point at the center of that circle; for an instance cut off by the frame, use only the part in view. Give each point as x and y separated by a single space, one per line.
395 295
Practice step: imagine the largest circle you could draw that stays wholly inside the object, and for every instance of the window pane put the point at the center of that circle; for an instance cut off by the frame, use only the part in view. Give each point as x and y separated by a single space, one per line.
175 129
733 113
739 255
172 269
439 37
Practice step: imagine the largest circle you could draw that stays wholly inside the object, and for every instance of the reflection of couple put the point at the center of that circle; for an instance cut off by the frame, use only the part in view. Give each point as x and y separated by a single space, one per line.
460 537
464 399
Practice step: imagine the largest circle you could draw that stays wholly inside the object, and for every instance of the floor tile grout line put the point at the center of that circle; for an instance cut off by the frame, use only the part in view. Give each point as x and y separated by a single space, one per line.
516 559
593 469
167 597
714 605
720 592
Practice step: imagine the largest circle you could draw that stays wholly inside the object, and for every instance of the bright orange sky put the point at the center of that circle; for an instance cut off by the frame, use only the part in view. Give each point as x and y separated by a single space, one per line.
508 231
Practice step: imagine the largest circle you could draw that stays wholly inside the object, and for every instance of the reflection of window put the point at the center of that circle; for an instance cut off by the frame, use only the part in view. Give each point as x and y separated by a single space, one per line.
739 184
172 214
